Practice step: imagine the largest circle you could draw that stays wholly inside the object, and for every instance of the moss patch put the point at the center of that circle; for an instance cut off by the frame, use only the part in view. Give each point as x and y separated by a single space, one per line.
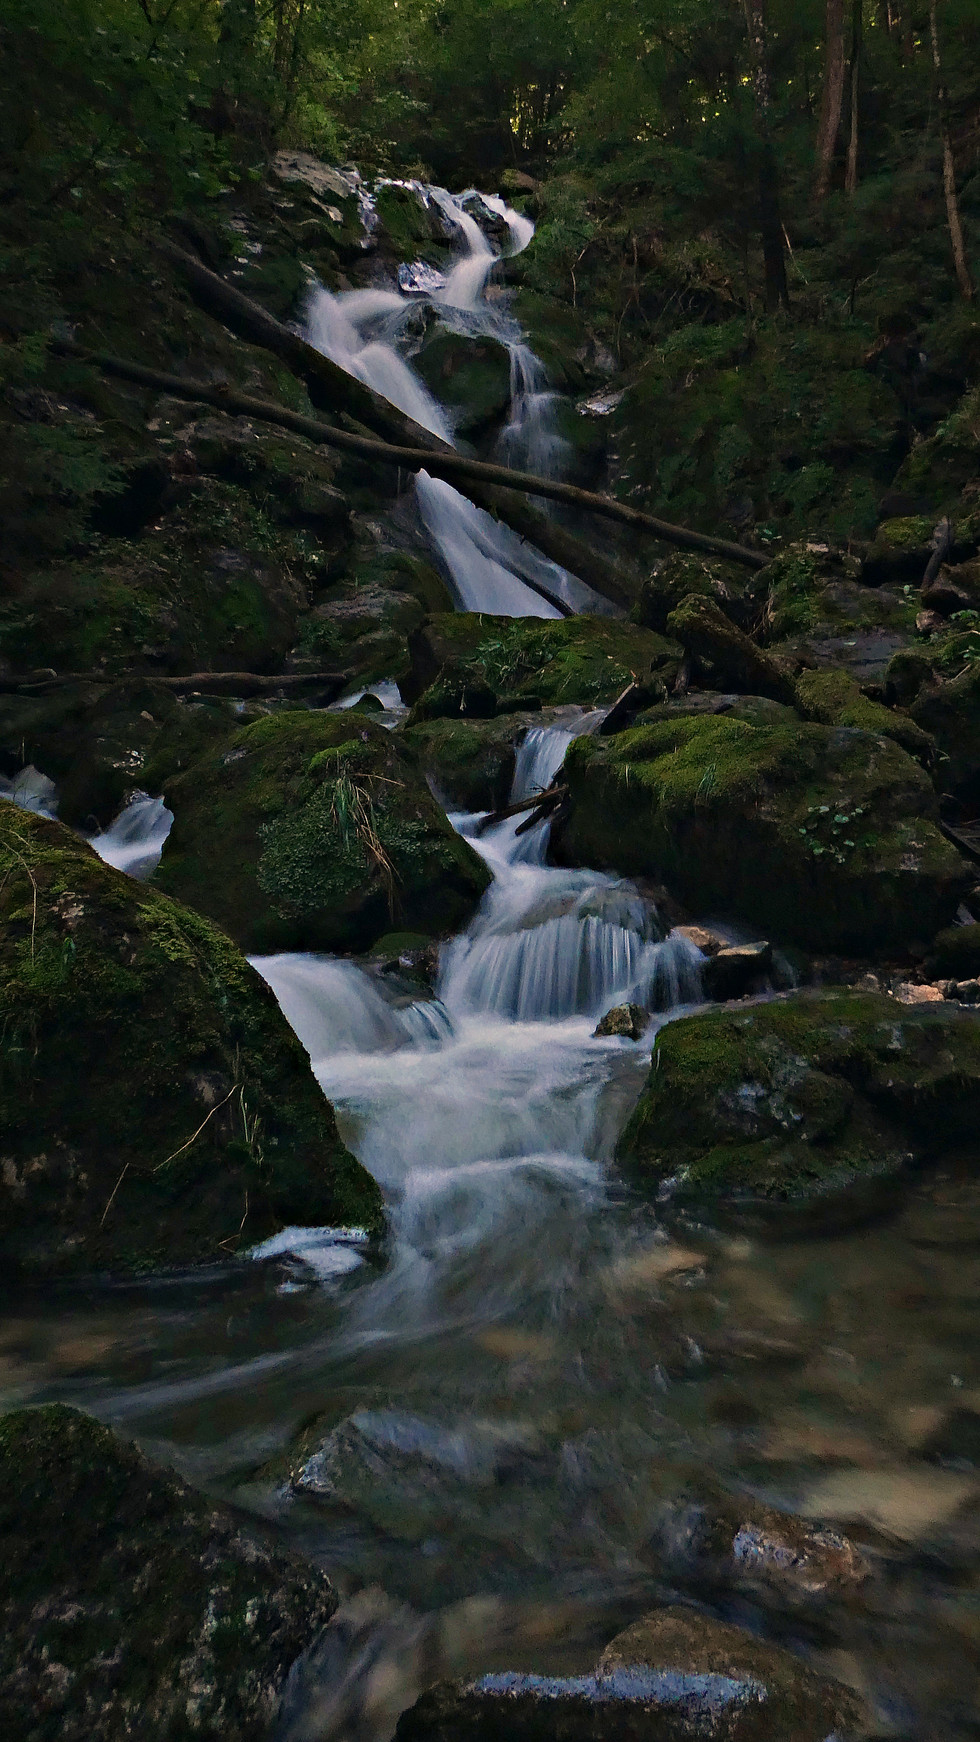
156 1108
316 831
822 835
835 699
131 1605
802 1102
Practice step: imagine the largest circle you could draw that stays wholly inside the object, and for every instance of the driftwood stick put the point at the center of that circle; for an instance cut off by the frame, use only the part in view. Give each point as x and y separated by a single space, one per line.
543 801
453 467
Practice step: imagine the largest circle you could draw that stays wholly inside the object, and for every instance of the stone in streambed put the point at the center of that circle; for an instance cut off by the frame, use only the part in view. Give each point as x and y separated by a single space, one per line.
156 1108
528 662
316 831
471 761
823 835
623 1022
737 969
681 576
132 1606
811 1105
674 1676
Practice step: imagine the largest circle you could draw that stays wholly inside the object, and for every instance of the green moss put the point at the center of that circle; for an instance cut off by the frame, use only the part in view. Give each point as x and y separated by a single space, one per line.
316 831
471 762
471 377
811 1102
130 1603
835 699
680 576
743 819
956 952
951 712
156 1107
723 656
527 662
949 459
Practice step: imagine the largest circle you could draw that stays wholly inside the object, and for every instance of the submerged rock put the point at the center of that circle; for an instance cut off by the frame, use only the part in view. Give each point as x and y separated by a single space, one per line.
316 831
823 835
156 1108
132 1606
813 1103
529 663
674 1676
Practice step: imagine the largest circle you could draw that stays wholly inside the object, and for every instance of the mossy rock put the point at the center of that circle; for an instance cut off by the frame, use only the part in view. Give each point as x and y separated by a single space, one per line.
471 762
409 226
724 657
956 952
810 1104
526 662
157 1109
131 1605
680 577
901 549
950 711
821 835
839 623
471 377
755 710
835 699
940 467
310 830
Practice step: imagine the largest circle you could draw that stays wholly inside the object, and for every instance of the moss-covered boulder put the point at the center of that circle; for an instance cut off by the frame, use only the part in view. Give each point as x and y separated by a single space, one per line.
470 762
723 656
310 830
132 1606
821 835
680 576
950 711
941 466
527 663
836 699
813 1104
156 1108
471 377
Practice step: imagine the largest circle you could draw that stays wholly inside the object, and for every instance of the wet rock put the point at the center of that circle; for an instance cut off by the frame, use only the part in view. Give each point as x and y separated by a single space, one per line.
469 376
812 1104
823 835
708 1536
950 711
530 663
471 762
309 830
684 575
156 1108
131 1605
624 1022
914 1503
737 969
835 699
724 657
962 991
672 1675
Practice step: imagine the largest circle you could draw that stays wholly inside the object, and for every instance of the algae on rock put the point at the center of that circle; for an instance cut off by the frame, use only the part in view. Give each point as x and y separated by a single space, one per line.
156 1108
131 1605
823 835
311 830
814 1103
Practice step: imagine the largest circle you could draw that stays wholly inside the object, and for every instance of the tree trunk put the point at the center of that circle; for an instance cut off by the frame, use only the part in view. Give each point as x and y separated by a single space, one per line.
770 218
963 277
851 175
832 101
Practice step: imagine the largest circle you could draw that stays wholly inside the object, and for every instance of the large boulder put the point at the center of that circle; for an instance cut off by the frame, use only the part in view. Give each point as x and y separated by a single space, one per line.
525 662
156 1108
471 762
821 835
812 1104
674 1676
836 699
950 710
130 1605
681 575
309 830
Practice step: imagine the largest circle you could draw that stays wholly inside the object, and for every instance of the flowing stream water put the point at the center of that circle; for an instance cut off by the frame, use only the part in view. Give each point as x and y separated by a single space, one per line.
481 1425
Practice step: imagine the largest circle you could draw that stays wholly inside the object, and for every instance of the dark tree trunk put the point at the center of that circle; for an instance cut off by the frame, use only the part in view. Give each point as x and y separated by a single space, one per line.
851 177
770 216
832 100
960 263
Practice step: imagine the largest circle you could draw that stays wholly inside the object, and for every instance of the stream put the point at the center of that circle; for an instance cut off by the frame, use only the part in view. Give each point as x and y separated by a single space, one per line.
470 1437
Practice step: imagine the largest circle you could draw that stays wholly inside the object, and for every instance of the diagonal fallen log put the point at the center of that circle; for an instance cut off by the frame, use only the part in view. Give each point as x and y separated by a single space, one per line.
541 802
454 468
332 389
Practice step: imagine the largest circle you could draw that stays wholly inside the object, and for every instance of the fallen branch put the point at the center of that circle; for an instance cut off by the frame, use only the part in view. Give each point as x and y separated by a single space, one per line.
544 801
453 467
213 683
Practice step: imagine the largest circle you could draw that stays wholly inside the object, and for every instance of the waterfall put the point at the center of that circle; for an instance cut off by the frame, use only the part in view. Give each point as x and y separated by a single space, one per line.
134 841
485 563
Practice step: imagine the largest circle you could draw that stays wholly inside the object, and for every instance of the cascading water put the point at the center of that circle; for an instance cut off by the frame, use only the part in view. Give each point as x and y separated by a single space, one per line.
360 330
